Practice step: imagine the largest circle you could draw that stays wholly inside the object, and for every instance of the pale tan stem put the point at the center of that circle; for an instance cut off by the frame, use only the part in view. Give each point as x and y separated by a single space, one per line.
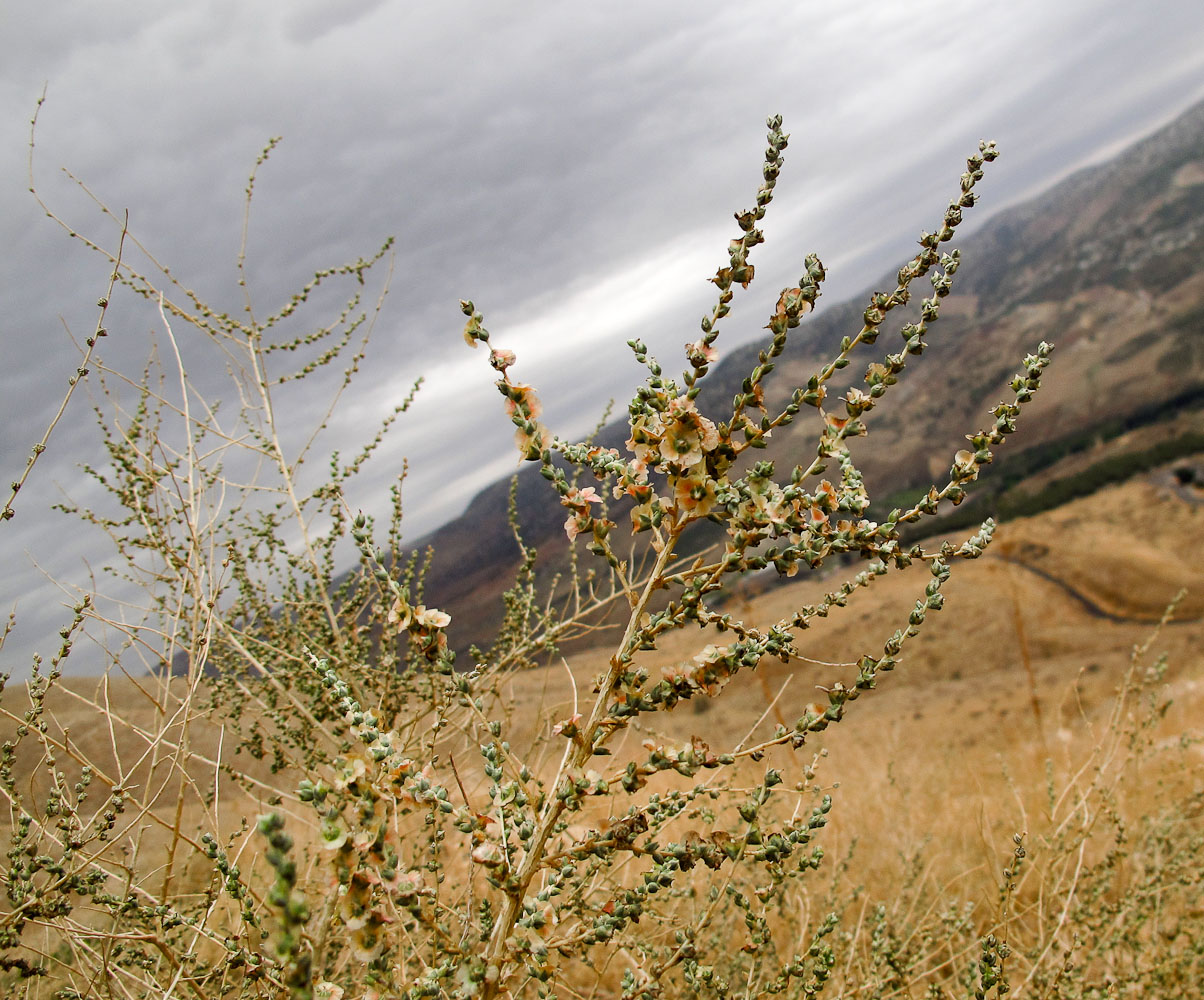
496 950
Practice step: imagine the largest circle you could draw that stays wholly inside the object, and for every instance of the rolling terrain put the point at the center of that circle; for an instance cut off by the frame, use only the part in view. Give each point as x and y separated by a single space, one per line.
1023 664
1108 266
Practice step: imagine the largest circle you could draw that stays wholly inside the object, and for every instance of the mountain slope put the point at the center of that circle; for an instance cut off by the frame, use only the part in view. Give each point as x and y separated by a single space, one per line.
1108 265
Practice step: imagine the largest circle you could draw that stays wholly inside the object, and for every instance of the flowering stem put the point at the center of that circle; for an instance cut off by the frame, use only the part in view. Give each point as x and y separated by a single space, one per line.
534 858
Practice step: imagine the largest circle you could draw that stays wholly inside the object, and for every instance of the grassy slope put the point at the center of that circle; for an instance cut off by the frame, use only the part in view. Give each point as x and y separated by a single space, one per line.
922 755
925 754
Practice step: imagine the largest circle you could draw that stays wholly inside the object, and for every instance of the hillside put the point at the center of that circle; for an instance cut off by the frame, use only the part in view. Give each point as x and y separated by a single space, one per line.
1047 617
1019 716
1108 265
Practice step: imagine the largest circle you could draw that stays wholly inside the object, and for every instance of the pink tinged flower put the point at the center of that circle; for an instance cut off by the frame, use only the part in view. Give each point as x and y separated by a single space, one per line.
681 405
328 991
398 769
334 838
569 726
688 433
501 359
684 410
857 400
407 883
712 672
643 445
487 854
648 454
431 617
641 492
647 515
595 452
472 331
366 943
677 673
532 443
695 495
710 653
776 512
834 422
701 353
597 784
550 920
522 396
964 466
579 500
363 838
684 449
351 772
399 615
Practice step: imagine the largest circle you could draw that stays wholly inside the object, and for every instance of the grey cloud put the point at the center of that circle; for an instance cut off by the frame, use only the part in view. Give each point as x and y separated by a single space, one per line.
541 159
308 20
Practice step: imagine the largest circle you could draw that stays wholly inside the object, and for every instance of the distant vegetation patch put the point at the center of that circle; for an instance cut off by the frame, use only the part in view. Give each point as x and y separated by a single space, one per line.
1113 469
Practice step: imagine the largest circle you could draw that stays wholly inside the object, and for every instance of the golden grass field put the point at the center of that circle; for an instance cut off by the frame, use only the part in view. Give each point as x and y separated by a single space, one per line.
925 754
944 762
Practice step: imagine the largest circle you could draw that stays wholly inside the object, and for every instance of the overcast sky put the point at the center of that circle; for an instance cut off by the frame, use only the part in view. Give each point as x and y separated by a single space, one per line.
573 168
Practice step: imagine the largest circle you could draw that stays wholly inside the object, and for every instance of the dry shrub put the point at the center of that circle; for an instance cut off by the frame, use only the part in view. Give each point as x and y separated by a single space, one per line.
422 831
